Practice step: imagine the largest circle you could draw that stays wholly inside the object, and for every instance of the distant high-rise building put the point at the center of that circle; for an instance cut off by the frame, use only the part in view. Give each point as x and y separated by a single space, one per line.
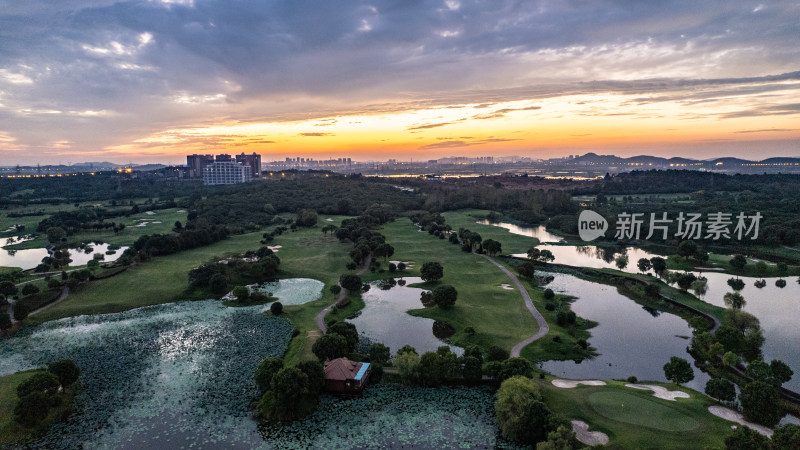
222 157
254 161
226 172
197 163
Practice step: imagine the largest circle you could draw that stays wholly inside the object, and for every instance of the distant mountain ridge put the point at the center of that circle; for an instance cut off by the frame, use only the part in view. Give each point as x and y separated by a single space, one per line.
647 161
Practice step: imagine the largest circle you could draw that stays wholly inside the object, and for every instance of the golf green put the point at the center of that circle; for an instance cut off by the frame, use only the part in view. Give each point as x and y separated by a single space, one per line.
636 410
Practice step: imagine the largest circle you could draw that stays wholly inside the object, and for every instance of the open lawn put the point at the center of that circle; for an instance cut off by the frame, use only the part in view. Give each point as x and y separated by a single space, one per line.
159 280
307 253
466 218
497 315
636 419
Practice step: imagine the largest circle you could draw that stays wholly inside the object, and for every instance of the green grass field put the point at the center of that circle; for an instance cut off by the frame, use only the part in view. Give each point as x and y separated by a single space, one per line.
498 316
466 218
160 280
636 419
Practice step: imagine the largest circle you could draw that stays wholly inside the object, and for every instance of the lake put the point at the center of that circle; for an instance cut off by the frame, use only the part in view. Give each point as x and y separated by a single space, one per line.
385 319
32 257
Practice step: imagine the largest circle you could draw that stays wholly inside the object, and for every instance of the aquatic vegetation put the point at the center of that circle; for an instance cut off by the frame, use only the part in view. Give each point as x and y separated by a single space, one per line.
294 291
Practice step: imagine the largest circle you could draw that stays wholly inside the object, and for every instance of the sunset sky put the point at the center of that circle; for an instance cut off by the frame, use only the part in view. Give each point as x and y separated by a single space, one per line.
152 80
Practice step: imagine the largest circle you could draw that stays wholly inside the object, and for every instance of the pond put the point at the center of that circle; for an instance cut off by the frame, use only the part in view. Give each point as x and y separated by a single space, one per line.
778 310
629 339
539 232
181 375
385 319
294 291
30 258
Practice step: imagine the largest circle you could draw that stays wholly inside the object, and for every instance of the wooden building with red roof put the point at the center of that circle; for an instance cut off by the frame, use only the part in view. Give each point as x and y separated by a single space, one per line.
345 377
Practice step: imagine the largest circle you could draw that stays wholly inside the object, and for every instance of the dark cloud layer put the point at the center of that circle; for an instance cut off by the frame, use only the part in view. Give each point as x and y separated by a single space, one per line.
102 72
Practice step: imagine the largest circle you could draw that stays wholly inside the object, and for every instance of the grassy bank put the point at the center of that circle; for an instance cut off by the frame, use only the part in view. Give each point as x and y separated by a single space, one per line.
162 279
497 315
636 419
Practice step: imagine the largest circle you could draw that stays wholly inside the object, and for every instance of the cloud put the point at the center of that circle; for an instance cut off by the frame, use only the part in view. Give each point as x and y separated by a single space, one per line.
769 130
446 144
316 134
428 126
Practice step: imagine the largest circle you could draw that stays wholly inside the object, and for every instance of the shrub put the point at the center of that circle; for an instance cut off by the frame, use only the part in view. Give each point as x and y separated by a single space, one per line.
66 370
276 308
32 409
335 289
633 379
21 310
41 382
549 294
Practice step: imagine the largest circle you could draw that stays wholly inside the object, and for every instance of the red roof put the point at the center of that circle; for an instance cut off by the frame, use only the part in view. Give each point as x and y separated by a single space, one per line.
341 369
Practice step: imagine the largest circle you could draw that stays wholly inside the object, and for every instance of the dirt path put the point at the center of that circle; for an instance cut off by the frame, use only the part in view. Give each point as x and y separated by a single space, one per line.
342 295
543 327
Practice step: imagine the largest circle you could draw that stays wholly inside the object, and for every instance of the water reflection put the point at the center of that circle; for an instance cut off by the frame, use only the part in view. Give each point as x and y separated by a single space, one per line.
539 232
385 319
630 340
32 257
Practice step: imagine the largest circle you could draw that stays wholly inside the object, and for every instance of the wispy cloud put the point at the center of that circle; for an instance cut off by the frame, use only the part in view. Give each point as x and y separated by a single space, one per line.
316 134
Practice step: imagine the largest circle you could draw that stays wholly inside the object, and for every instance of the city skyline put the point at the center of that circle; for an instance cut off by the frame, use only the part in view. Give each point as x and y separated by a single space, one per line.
153 81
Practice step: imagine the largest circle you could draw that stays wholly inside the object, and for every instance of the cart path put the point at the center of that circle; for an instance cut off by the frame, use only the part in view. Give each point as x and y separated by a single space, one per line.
342 295
543 327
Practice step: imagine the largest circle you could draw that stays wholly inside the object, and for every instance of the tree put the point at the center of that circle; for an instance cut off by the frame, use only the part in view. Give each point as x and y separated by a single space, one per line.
242 294
289 386
678 370
350 282
738 262
265 371
644 265
432 271
744 438
687 249
445 296
218 284
330 346
401 266
66 370
721 389
472 368
21 310
315 373
621 261
730 359
431 370
8 288
496 354
526 270
760 402
734 300
5 321
44 382
29 289
32 409
276 308
306 218
659 264
516 367
786 437
562 438
407 365
56 234
781 371
549 294
347 331
492 247
521 415
379 353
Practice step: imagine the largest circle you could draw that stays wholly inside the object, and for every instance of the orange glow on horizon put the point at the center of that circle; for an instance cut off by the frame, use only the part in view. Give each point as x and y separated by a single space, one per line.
565 122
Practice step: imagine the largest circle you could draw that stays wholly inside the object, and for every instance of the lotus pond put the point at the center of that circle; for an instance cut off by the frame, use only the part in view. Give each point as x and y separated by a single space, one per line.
180 375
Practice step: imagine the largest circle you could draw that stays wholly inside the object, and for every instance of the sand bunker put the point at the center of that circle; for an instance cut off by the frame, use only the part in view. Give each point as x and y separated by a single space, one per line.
274 248
150 213
507 287
659 391
328 220
733 416
587 437
569 384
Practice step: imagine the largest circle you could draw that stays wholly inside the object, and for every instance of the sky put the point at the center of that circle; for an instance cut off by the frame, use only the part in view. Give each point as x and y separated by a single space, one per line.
148 81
